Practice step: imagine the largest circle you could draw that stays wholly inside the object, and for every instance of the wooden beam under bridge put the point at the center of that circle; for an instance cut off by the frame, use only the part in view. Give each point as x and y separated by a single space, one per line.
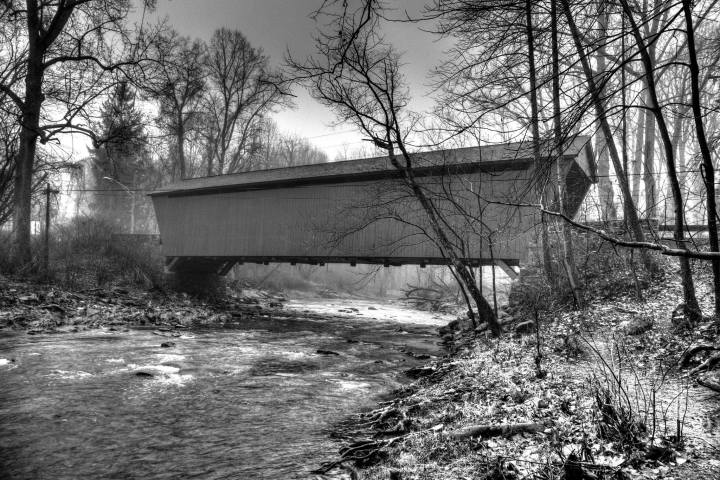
222 265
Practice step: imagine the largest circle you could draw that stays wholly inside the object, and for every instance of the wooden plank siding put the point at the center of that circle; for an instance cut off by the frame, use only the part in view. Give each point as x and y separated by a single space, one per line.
361 212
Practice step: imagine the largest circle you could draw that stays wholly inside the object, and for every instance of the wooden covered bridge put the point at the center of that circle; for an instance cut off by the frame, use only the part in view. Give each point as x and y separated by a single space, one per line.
361 211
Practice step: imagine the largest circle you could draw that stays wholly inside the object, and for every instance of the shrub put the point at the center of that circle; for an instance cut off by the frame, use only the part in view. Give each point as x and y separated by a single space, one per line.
87 254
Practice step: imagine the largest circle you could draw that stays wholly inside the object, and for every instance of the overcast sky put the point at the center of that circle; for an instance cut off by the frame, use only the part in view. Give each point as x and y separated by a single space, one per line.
278 25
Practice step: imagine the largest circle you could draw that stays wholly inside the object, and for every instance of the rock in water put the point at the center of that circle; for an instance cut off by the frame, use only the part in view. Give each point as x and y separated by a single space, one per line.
167 344
326 352
143 374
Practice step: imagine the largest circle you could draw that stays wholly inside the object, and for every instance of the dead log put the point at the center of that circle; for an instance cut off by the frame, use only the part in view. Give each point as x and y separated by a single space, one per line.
495 430
694 350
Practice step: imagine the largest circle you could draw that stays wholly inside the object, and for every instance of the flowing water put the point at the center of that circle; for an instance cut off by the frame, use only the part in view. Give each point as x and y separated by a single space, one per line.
253 401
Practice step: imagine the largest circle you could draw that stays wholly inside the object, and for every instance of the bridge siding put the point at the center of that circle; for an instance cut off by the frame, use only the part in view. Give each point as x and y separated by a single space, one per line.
303 220
300 221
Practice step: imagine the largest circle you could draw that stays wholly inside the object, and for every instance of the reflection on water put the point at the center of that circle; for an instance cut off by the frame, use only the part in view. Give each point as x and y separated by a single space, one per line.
250 402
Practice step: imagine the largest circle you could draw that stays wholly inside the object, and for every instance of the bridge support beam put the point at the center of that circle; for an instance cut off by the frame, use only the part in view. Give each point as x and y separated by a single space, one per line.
509 271
225 268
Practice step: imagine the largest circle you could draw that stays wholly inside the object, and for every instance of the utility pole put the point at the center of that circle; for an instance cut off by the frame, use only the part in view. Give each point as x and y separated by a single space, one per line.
46 250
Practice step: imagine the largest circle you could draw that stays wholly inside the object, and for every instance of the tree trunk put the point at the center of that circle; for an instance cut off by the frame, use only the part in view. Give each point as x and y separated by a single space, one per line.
181 147
559 150
708 167
485 311
691 305
679 144
535 125
26 155
605 184
638 156
600 112
649 167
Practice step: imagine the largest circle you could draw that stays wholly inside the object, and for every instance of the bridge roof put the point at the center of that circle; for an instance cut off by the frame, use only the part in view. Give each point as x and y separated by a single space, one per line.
508 156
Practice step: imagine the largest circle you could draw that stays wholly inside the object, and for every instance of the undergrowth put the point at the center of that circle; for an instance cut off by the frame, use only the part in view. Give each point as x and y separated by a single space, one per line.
87 254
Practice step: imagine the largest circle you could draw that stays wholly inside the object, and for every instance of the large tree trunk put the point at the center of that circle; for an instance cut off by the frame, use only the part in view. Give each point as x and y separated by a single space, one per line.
40 34
708 167
23 191
26 153
692 309
601 114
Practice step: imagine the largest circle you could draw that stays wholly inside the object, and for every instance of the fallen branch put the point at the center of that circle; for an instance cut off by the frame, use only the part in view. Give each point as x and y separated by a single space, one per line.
663 249
495 430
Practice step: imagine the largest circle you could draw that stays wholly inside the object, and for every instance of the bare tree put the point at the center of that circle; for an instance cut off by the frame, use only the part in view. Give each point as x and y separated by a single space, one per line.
559 151
708 168
602 119
691 305
358 75
178 86
241 89
69 53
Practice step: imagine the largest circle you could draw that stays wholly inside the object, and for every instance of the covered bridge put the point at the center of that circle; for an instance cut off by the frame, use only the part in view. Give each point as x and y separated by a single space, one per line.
361 211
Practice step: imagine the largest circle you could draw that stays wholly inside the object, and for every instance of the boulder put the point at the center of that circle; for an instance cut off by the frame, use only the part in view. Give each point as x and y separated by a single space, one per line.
638 325
167 344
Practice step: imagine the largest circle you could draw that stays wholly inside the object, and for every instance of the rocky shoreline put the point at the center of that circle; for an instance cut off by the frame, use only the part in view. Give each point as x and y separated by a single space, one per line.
46 308
504 408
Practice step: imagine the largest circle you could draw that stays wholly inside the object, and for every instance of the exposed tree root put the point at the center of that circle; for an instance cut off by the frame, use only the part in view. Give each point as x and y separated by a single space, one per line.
707 364
711 383
363 452
692 351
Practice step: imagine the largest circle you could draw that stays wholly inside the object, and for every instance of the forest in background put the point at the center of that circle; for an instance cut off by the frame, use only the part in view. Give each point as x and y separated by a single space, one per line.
157 106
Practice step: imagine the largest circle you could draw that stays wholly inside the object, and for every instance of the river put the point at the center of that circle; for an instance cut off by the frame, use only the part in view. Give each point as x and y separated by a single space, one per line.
253 401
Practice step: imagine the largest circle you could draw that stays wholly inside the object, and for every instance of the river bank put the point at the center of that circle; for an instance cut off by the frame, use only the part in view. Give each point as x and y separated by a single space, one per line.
591 394
49 308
